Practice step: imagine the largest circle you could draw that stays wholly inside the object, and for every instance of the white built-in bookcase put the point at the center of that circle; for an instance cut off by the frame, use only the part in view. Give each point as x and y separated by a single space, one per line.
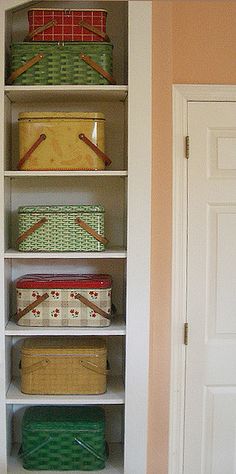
124 190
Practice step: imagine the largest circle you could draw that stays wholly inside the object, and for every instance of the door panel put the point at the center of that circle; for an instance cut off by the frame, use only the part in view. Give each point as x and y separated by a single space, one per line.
220 412
210 417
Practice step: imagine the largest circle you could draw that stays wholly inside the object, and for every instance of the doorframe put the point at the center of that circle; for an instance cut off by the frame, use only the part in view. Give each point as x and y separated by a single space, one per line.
182 95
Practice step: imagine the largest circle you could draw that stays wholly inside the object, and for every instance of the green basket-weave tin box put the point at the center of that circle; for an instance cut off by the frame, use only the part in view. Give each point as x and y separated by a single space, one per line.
42 63
60 438
61 228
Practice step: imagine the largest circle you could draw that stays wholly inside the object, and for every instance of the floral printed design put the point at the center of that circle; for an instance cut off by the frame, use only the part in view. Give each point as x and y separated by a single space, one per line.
55 295
93 295
92 314
36 313
19 294
55 313
74 313
35 294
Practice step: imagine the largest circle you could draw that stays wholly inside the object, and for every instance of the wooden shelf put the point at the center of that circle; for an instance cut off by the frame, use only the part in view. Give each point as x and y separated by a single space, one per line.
110 253
117 328
114 463
30 174
66 93
115 395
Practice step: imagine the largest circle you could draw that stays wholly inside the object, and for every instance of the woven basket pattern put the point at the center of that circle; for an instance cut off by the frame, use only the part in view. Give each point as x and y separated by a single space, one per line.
49 447
61 63
63 370
61 232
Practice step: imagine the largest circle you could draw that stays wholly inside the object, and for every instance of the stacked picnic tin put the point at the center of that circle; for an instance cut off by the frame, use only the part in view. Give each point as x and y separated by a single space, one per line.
63 47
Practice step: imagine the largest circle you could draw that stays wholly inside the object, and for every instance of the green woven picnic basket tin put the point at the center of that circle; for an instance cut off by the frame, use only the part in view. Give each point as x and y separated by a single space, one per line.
61 228
73 63
63 438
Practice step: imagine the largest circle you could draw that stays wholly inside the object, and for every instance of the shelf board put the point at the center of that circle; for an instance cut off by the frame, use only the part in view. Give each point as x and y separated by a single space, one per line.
117 328
115 395
114 464
66 93
23 174
109 253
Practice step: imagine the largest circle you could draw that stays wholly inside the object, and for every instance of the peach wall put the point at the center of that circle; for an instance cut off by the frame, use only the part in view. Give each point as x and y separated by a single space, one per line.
204 41
161 239
194 41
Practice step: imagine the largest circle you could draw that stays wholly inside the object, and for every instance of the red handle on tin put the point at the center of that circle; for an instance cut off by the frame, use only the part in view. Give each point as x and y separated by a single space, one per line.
95 30
35 145
31 306
20 70
88 60
93 306
96 150
40 29
91 231
31 230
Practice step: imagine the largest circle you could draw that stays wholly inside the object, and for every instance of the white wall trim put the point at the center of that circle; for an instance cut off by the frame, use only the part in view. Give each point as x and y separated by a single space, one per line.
179 232
182 94
138 249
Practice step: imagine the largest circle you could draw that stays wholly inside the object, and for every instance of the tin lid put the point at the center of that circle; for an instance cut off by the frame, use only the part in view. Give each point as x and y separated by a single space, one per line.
60 209
51 280
59 345
68 9
52 418
61 116
71 46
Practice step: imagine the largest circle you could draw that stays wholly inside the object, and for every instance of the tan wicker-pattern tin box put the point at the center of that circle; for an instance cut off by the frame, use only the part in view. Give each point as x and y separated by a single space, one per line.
64 365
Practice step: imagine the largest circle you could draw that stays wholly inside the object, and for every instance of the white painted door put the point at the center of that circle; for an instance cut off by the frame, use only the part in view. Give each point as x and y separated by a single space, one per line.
210 417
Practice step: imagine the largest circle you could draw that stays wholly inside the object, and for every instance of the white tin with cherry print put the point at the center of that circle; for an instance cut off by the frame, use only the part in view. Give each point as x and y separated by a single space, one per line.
64 300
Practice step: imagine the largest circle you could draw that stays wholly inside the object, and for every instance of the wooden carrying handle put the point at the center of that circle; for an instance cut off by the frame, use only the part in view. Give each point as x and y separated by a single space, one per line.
97 68
94 367
40 29
95 30
32 368
20 70
31 306
35 145
93 306
91 231
96 150
31 230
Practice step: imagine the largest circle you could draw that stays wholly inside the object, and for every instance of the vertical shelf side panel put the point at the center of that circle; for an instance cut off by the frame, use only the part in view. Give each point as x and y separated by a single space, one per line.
3 433
139 236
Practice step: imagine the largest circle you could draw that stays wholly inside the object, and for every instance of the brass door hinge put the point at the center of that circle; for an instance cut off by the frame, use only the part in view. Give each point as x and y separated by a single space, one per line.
187 147
185 334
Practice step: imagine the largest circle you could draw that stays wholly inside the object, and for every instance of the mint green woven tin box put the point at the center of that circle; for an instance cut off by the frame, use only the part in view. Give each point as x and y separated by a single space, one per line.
62 438
42 63
61 228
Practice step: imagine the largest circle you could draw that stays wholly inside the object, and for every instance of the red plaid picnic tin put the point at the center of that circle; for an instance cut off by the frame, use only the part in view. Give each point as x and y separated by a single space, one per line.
55 24
64 300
